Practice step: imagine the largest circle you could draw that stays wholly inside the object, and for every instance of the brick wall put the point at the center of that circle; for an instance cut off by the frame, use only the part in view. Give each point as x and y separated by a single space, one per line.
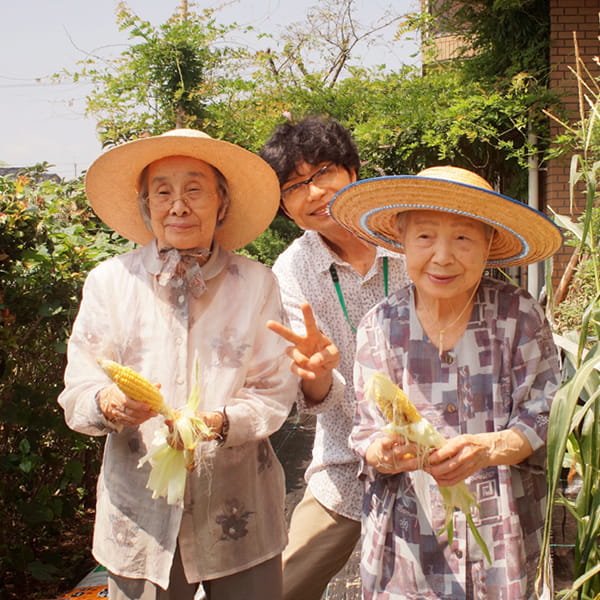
568 16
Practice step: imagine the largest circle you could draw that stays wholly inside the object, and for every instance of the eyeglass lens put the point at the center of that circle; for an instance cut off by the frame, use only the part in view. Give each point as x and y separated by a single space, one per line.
322 178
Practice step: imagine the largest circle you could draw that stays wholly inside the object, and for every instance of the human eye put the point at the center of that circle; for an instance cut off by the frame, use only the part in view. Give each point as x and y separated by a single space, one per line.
423 238
290 191
194 190
325 174
161 194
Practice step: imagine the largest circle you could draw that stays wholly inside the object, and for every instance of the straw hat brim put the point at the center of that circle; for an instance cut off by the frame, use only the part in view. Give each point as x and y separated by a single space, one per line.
112 185
368 208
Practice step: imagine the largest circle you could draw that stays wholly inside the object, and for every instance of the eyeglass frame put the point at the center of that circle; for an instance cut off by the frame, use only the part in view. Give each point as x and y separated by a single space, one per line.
299 184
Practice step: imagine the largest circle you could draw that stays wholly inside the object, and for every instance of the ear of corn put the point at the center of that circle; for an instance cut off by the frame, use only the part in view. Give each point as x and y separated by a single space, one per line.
393 402
134 385
172 453
404 420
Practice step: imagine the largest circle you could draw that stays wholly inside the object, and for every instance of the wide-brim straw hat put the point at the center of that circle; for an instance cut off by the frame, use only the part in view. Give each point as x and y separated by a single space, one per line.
112 184
368 208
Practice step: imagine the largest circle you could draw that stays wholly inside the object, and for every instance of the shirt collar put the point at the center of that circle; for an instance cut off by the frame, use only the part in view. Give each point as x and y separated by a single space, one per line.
325 256
213 266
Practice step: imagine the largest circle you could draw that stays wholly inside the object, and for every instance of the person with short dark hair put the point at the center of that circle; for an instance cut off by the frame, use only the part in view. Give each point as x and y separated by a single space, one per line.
329 278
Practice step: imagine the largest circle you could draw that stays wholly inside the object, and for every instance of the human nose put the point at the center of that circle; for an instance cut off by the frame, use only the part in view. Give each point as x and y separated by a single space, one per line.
313 191
179 206
442 252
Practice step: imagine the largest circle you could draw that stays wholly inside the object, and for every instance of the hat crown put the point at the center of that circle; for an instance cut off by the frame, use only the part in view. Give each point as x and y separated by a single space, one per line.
183 132
456 175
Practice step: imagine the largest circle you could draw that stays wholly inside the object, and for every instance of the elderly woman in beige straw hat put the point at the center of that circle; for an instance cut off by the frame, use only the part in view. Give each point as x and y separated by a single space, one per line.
183 310
476 358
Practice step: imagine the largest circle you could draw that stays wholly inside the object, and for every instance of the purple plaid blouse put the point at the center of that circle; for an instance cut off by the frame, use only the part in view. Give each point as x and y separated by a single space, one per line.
501 374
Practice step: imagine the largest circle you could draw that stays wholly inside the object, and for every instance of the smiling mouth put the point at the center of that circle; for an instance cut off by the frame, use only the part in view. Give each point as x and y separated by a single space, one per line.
320 212
441 278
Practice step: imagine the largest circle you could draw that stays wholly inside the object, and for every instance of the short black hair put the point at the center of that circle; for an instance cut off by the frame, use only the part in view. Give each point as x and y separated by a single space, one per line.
314 140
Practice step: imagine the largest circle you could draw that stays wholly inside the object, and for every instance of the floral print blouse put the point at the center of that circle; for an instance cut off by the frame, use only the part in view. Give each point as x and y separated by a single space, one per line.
232 517
501 374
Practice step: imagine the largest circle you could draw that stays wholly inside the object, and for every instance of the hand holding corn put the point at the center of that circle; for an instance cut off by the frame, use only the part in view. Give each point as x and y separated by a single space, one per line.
175 443
121 410
405 424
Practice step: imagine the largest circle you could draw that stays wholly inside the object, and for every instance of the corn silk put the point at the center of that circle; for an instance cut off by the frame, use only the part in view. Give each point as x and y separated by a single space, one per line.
404 420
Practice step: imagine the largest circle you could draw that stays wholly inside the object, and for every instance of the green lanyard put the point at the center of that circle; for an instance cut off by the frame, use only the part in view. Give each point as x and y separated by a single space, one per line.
338 289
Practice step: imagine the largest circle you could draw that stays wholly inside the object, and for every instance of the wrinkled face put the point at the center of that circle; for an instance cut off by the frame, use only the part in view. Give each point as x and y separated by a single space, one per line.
183 201
307 192
445 253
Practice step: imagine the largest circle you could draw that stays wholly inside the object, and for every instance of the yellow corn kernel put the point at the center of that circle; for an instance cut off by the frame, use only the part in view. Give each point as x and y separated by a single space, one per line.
393 402
134 385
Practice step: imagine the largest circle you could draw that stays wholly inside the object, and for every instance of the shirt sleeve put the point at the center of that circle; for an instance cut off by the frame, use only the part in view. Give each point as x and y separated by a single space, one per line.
535 370
260 407
83 376
371 358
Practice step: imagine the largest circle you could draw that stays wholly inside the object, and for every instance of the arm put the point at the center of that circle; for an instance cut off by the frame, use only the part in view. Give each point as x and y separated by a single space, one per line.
81 398
266 389
379 451
463 455
291 270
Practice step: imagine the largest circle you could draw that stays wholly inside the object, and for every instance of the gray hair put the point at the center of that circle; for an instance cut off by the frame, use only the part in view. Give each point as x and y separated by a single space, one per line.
401 217
222 192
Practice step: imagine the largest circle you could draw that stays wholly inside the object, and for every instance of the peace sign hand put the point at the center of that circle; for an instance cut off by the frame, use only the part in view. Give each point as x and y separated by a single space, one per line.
313 354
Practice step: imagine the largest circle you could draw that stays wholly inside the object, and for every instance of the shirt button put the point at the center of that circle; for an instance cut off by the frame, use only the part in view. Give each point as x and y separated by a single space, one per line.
181 299
451 408
180 381
458 553
179 341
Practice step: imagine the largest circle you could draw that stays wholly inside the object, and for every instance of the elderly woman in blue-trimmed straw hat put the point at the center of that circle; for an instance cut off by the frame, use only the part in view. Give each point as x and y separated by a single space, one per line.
476 357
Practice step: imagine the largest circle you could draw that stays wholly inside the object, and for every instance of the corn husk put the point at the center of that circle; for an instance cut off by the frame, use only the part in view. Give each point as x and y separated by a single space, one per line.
173 450
405 420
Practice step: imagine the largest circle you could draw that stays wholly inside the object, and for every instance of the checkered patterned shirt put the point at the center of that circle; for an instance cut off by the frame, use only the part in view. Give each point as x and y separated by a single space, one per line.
501 374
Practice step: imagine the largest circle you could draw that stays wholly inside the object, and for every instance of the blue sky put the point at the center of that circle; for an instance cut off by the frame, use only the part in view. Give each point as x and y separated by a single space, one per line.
44 122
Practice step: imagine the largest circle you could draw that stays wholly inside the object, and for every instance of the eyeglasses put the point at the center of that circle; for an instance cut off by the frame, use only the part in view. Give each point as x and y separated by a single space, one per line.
324 177
194 198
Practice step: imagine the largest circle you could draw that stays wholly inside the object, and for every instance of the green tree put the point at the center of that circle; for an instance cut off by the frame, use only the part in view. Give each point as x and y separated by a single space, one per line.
49 240
165 78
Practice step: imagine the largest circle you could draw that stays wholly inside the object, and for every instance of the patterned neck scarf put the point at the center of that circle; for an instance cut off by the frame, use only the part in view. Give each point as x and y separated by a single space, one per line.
181 269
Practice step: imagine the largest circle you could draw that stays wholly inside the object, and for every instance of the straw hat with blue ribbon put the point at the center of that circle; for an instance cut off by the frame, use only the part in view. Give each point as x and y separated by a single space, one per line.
369 208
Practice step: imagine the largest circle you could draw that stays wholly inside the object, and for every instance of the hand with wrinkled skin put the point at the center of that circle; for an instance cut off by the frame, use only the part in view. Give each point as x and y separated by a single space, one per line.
121 409
392 454
463 455
314 355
